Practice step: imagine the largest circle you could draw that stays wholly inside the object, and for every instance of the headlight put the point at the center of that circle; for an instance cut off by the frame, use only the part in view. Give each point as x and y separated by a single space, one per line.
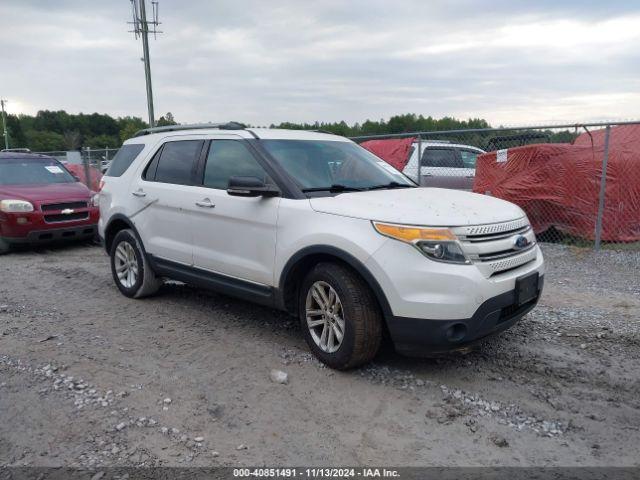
15 206
95 200
438 244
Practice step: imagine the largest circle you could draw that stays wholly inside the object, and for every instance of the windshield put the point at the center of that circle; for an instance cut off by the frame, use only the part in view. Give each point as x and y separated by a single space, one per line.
32 171
320 165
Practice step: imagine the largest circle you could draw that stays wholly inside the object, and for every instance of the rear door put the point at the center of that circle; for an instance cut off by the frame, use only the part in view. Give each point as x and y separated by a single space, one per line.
233 236
161 195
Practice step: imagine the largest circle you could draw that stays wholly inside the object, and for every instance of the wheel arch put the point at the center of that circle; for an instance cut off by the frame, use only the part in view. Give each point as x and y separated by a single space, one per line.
304 260
117 223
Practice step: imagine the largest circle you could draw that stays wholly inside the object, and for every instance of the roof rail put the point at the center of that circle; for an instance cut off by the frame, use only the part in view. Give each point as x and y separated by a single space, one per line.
197 126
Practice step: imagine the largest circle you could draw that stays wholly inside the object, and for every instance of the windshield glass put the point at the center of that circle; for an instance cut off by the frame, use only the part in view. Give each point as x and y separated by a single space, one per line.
321 164
32 171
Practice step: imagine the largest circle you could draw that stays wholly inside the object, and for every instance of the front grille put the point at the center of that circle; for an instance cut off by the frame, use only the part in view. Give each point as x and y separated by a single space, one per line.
63 206
492 246
490 257
498 235
69 217
493 228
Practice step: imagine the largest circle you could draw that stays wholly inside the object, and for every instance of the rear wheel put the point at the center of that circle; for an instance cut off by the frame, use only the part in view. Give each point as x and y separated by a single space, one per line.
130 268
340 316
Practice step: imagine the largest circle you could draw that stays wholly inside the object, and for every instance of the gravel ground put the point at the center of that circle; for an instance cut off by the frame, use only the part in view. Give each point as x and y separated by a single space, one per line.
89 378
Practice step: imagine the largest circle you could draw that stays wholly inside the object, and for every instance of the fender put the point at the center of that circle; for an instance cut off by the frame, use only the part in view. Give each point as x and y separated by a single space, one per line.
127 220
349 259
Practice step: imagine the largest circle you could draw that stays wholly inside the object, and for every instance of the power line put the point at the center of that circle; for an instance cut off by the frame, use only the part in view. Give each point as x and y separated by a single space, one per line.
141 28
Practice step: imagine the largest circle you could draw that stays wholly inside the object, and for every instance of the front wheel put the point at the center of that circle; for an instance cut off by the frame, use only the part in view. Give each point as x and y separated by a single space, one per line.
129 266
340 316
4 247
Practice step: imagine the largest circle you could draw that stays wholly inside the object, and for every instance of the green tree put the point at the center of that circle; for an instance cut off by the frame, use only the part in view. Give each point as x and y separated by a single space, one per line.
44 141
166 120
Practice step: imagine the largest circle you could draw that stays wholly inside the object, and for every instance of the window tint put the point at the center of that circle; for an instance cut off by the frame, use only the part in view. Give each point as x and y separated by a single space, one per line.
469 158
230 158
176 162
441 157
123 159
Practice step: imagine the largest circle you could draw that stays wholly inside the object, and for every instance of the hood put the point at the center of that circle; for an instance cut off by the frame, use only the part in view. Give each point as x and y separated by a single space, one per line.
47 192
437 207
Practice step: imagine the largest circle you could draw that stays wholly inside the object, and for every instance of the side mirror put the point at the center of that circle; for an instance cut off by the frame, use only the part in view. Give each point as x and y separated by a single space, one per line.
251 187
76 177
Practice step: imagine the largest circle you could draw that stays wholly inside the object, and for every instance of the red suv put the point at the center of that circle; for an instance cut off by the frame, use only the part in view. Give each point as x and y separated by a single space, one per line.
40 201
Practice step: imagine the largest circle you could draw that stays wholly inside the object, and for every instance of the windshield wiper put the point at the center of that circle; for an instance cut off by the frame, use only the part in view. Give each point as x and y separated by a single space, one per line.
333 188
391 185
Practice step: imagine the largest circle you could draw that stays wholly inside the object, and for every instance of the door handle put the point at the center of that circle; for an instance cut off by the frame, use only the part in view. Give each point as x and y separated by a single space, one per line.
139 193
427 174
471 176
206 203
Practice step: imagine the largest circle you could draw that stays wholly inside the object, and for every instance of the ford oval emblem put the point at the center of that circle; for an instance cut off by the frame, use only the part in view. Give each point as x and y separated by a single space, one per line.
521 242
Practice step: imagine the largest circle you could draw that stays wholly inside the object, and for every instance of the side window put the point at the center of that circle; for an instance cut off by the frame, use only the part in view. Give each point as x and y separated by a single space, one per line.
176 162
469 158
441 157
230 158
123 159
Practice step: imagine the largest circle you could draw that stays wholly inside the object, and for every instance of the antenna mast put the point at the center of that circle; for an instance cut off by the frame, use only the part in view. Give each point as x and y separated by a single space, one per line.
141 28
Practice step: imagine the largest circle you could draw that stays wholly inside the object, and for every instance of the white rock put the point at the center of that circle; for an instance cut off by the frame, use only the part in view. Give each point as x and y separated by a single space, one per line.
167 401
198 439
120 426
278 376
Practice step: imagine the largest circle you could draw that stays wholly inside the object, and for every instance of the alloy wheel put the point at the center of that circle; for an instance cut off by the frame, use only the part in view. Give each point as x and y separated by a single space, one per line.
325 316
126 264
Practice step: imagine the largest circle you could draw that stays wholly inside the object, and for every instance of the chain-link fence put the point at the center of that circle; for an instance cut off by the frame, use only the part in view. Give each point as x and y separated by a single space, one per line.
87 164
554 173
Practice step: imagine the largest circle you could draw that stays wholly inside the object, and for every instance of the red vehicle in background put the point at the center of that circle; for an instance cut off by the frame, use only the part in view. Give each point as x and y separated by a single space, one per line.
41 202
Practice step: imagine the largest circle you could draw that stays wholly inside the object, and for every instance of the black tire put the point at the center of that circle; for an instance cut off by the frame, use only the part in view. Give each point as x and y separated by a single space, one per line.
361 314
146 282
4 247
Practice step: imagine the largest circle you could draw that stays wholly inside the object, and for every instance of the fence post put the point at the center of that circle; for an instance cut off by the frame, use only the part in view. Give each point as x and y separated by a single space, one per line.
419 174
603 188
86 161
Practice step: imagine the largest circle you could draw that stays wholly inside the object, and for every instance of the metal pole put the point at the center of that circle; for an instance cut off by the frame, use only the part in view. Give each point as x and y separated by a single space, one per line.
603 188
4 126
86 162
419 176
147 62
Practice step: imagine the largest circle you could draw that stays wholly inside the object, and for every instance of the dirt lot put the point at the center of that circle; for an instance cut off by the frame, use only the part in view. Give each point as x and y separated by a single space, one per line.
91 378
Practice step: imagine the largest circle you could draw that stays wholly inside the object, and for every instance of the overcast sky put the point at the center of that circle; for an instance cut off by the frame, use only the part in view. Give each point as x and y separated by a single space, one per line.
261 62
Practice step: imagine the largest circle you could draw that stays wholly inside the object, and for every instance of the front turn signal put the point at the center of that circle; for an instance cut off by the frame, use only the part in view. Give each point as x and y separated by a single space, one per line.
411 234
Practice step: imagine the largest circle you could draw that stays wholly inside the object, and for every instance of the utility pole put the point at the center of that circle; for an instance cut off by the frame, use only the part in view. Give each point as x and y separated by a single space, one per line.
4 125
141 29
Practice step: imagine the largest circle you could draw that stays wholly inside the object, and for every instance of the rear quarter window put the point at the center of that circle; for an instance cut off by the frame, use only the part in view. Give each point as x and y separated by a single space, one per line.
123 159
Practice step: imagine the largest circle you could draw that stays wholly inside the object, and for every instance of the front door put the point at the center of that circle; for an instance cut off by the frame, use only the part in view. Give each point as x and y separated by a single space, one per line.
233 236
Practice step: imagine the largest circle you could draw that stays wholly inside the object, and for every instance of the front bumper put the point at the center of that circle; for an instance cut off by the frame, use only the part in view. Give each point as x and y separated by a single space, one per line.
419 336
37 237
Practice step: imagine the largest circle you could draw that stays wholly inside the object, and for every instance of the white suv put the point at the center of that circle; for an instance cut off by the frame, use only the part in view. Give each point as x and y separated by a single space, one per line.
313 224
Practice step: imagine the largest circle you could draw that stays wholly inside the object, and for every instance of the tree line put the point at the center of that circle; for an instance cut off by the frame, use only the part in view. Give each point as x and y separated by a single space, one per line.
59 130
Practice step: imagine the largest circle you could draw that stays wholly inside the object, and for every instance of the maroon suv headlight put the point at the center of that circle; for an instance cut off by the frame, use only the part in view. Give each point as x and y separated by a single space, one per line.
15 206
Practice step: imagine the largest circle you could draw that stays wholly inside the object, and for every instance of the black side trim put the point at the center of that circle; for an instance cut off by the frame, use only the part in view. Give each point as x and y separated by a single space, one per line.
234 287
342 255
